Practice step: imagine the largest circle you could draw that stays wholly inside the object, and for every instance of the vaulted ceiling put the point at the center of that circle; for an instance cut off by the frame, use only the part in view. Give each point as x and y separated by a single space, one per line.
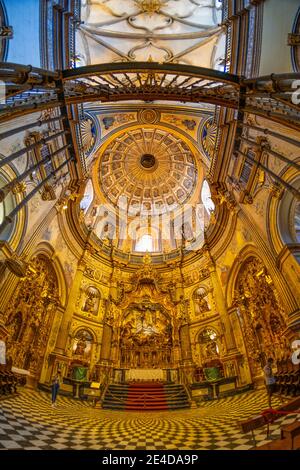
172 31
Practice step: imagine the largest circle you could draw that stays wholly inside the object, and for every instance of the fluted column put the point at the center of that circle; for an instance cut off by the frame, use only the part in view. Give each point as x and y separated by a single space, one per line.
57 318
105 354
68 315
3 329
222 309
185 342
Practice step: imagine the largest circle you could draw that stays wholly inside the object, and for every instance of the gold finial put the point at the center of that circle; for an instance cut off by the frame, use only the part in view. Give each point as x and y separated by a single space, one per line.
147 259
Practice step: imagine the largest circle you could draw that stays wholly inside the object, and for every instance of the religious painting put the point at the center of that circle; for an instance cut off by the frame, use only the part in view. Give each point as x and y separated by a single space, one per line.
91 300
82 345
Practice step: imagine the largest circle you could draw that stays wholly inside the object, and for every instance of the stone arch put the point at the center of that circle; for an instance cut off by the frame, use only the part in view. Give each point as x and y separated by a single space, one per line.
209 350
14 231
282 287
92 297
205 327
84 328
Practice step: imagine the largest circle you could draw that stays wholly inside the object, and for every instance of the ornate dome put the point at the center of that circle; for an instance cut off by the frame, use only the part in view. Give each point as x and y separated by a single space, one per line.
152 167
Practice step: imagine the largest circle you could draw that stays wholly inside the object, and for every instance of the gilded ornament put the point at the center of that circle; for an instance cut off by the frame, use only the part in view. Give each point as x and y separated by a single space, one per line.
151 6
19 188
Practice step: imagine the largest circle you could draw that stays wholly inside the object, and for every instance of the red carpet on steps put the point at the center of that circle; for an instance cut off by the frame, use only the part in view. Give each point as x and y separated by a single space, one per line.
146 396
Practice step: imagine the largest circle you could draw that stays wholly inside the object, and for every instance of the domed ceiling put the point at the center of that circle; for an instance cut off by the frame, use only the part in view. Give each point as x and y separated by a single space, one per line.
152 167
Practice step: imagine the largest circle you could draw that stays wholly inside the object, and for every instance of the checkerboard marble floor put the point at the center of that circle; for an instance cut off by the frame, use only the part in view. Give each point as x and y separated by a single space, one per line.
27 421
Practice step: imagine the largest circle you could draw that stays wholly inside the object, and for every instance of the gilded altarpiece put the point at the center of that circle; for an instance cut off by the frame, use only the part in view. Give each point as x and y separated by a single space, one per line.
261 316
147 323
146 336
30 314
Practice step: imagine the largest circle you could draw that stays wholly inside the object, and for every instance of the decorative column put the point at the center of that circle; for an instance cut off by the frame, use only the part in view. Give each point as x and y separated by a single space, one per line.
3 330
222 309
185 342
46 371
241 359
106 344
71 307
107 336
187 367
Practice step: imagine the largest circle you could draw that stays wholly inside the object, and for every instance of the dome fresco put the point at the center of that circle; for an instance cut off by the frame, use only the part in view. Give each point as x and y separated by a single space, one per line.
151 167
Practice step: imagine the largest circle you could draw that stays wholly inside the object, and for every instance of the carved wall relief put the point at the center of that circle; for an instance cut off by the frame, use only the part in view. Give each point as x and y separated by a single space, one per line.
210 344
146 337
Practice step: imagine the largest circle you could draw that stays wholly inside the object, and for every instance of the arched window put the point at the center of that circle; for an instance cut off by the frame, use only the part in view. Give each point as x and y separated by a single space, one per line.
6 206
206 197
145 243
289 215
1 212
87 197
296 217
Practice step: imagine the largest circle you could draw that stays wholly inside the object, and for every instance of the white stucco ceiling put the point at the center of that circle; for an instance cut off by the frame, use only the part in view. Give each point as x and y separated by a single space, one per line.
174 31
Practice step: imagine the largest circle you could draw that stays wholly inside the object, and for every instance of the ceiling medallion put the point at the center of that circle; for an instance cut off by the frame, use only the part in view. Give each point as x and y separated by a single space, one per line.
150 6
148 116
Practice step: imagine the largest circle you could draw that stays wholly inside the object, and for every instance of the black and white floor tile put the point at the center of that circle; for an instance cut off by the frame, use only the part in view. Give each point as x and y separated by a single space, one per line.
28 421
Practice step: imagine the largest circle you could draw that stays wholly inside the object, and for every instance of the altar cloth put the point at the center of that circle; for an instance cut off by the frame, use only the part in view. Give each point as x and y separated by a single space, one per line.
144 374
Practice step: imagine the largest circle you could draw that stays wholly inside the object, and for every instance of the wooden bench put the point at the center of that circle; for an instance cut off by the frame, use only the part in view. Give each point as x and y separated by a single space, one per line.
259 421
291 431
288 442
279 444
